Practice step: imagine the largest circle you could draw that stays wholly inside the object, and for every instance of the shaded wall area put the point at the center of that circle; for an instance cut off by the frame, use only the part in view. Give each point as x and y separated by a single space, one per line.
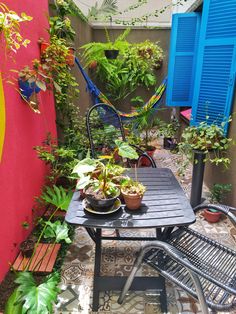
21 172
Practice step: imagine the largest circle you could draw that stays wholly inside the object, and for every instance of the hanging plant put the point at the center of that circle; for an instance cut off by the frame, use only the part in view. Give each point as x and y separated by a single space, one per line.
10 28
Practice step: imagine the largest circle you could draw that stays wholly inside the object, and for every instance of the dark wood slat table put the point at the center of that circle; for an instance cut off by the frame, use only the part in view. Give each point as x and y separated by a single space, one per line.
164 207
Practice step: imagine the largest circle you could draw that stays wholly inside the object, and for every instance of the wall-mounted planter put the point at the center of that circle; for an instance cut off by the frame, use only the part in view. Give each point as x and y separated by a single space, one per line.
43 46
27 89
111 54
70 58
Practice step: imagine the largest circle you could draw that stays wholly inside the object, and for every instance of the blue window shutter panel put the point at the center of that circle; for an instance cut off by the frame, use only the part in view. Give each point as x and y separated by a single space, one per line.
216 64
182 58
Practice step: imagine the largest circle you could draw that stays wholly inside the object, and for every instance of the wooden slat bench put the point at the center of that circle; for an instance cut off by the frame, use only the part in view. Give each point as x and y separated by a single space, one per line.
40 263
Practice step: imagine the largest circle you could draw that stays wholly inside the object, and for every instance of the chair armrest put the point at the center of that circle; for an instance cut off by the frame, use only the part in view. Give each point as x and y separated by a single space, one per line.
226 210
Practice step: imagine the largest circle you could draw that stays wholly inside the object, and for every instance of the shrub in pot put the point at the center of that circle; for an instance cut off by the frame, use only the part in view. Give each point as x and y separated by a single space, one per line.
218 194
132 192
168 131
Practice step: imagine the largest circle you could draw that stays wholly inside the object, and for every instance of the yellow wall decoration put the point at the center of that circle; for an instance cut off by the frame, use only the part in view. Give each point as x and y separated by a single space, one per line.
2 117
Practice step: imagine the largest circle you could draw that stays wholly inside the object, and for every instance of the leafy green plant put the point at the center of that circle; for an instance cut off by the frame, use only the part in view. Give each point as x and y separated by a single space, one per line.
131 186
209 139
169 130
57 230
10 28
61 160
134 66
31 298
57 196
145 125
107 7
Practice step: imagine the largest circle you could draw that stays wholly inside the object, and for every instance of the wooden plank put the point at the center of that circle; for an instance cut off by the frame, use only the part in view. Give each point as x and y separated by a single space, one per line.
43 260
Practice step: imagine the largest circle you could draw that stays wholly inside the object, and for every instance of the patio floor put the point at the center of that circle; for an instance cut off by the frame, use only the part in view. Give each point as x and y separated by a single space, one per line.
118 257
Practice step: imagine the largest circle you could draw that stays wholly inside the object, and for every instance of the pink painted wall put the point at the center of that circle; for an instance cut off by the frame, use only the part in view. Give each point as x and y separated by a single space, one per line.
21 172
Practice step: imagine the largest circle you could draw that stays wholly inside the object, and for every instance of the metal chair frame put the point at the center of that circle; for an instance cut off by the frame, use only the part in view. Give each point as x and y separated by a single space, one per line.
201 266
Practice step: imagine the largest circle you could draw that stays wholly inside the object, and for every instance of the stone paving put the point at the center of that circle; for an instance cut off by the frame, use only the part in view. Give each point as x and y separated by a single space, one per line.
118 257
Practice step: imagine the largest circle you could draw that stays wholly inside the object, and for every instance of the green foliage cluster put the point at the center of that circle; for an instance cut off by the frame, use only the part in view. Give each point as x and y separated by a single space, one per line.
29 296
169 130
219 192
209 139
135 65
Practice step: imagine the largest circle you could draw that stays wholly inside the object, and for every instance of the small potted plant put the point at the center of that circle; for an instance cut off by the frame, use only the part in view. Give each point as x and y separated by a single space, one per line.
218 193
132 192
168 131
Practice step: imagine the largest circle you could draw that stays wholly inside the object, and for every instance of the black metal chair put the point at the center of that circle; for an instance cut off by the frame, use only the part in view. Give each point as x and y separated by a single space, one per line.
103 123
201 266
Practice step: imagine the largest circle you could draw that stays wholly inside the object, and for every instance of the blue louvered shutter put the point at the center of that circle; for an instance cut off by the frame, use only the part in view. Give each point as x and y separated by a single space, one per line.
182 58
216 66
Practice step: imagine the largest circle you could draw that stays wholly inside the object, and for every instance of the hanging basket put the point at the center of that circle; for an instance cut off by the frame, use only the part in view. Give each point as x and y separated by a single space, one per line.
111 54
27 89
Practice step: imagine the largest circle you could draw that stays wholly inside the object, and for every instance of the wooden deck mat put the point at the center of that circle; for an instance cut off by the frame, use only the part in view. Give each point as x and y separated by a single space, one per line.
43 260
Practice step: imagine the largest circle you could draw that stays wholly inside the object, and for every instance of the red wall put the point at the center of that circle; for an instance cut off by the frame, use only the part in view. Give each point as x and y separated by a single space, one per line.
21 172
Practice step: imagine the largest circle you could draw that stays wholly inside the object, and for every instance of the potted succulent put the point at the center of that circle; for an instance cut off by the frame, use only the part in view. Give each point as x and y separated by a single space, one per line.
218 193
168 131
132 192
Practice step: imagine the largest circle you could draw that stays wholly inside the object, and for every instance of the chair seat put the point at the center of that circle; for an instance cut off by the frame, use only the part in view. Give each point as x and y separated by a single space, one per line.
215 262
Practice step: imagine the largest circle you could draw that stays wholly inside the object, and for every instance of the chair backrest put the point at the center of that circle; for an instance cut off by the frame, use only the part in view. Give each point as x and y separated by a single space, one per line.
103 126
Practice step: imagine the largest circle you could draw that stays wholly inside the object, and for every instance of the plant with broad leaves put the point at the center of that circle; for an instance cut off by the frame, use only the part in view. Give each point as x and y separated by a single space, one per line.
57 196
31 298
57 230
10 28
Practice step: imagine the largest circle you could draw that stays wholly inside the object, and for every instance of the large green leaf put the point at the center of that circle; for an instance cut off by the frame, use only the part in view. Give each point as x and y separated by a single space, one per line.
84 166
125 150
57 230
37 299
83 182
13 306
58 197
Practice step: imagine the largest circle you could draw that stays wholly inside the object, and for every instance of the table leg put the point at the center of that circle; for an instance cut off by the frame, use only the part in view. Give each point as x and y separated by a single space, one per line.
163 297
97 265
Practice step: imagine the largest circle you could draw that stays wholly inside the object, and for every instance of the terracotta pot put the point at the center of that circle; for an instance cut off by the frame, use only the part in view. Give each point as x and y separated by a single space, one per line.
93 65
132 201
43 46
211 216
70 58
146 162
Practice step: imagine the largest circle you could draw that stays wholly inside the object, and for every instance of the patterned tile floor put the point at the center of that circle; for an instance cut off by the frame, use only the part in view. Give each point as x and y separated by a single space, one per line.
118 257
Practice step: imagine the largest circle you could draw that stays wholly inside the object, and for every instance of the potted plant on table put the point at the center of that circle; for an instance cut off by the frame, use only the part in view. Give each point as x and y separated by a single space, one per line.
132 192
218 194
101 180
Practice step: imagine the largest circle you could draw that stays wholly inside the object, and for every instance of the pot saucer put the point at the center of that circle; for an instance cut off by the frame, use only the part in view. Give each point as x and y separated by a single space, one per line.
87 207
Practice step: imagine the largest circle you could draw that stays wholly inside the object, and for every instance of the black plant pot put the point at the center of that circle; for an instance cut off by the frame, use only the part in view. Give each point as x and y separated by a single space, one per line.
111 54
101 205
169 143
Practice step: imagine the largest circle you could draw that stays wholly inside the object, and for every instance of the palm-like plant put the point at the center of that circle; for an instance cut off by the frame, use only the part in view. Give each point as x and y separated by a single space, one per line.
107 7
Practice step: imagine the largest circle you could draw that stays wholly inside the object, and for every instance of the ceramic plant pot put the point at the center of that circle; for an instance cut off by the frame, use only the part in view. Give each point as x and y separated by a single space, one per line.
101 205
70 58
111 54
27 89
169 143
212 217
132 201
146 162
27 248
